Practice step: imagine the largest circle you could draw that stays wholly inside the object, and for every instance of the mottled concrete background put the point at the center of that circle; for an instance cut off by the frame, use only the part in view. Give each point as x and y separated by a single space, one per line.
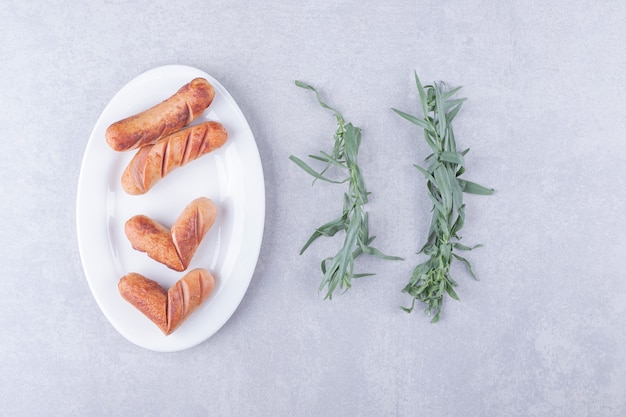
543 333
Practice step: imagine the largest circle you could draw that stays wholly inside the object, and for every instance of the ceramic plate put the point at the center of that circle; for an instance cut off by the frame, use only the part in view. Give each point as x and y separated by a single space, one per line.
232 177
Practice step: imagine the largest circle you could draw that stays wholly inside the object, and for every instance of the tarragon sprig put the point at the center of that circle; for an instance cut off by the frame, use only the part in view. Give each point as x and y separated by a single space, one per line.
431 280
338 271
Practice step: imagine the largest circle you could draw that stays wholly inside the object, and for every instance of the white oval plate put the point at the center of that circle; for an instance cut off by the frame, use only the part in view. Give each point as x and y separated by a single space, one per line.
231 176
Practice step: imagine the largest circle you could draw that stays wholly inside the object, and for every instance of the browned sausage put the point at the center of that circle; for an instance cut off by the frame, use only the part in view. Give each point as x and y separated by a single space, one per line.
187 295
147 235
174 248
159 121
147 296
191 227
153 162
168 310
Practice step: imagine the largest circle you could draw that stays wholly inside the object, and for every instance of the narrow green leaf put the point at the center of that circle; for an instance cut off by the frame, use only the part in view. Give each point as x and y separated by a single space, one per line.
420 270
431 140
417 121
332 227
323 266
453 282
438 205
452 103
330 159
459 246
473 188
319 158
329 274
339 147
445 250
375 252
451 140
451 292
359 250
422 95
430 96
358 138
426 174
347 205
319 100
432 232
360 183
351 138
349 243
467 264
364 234
452 113
430 250
312 239
409 309
455 187
363 275
460 220
452 157
446 144
436 318
442 288
450 93
441 116
417 291
444 184
311 171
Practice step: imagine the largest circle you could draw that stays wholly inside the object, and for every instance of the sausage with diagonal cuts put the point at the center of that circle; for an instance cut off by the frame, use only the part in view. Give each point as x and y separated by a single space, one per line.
153 162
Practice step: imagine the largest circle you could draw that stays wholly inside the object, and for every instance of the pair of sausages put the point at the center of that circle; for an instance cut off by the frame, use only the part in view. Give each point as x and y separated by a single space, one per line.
174 248
163 141
167 309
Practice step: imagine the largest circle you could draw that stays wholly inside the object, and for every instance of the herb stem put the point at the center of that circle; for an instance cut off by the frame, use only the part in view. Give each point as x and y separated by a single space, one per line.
431 280
338 270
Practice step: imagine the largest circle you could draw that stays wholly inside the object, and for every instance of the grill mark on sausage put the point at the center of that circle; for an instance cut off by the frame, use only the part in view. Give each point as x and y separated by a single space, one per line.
184 153
165 156
190 115
188 147
201 285
185 296
197 219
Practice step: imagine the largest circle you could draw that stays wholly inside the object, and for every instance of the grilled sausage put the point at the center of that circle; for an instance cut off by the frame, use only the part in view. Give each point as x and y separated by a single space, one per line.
162 119
153 162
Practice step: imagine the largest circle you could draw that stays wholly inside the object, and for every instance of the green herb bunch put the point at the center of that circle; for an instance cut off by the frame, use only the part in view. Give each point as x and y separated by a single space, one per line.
338 271
431 280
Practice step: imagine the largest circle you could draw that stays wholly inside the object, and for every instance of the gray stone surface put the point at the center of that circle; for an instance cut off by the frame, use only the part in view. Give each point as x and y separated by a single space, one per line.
541 334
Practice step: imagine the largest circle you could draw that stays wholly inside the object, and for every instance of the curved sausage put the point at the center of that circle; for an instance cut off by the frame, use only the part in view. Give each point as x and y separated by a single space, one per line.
159 121
187 295
153 162
146 296
191 227
147 235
